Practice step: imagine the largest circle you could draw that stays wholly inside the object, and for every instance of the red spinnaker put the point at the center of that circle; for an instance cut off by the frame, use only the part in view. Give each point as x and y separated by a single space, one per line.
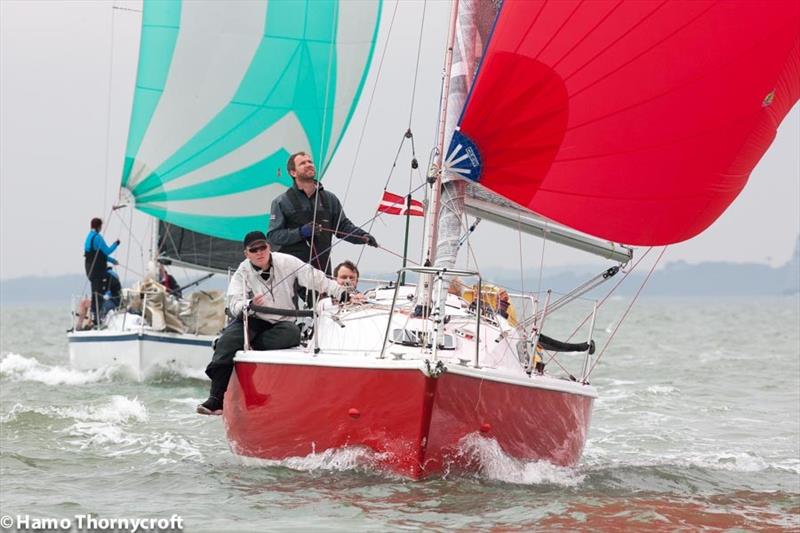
637 122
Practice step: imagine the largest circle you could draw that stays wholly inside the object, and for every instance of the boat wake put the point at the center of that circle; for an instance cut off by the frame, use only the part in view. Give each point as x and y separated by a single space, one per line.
476 456
15 367
485 457
349 458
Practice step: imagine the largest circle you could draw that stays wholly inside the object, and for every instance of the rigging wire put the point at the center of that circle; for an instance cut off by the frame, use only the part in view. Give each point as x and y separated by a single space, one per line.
369 108
317 191
108 108
416 70
541 263
521 265
333 245
611 291
627 310
408 134
553 355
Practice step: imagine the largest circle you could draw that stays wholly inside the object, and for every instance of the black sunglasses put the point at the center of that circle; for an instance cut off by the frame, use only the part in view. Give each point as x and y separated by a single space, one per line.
256 249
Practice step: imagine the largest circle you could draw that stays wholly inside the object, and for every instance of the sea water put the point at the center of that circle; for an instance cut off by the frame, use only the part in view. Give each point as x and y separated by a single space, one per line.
697 427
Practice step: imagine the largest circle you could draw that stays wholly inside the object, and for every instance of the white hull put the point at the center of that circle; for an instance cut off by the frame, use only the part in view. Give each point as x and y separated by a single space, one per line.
141 353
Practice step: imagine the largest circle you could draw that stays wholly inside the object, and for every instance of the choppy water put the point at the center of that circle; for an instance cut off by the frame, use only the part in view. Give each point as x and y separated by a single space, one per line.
697 428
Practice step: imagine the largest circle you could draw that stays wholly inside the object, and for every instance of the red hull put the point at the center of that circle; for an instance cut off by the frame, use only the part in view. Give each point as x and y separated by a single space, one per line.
415 422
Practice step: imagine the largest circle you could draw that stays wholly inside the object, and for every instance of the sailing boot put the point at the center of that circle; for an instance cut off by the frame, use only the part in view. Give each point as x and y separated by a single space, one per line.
213 405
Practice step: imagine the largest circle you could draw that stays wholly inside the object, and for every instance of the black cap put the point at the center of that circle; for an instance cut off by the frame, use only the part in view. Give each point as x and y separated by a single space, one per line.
254 237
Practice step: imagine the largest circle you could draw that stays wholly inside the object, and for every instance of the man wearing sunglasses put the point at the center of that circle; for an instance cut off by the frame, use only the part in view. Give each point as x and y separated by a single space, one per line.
263 279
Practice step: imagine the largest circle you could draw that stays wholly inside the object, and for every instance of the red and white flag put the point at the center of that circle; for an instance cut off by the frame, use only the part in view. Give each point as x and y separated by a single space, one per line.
394 204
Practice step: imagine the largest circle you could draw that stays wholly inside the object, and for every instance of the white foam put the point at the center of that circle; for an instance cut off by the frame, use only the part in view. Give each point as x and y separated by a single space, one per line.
495 464
732 462
116 441
167 444
187 401
597 457
118 409
12 414
15 367
194 373
91 434
339 459
111 428
662 390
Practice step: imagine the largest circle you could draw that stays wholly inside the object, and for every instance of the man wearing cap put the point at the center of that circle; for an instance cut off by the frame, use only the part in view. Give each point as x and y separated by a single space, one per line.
263 279
304 219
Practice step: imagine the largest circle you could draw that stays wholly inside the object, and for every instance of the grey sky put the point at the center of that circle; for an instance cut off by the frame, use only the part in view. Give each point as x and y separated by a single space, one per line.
59 167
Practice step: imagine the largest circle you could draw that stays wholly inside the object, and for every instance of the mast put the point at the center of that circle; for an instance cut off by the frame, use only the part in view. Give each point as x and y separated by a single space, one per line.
436 169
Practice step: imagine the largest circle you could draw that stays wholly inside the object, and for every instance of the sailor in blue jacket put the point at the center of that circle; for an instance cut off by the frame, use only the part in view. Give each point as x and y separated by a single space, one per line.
97 255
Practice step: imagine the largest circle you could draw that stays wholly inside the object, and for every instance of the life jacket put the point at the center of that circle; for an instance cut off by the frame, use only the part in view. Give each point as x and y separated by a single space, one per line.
95 261
303 213
490 297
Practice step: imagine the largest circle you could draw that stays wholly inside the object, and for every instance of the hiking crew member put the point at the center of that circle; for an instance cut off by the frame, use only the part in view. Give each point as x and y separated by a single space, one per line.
97 255
263 279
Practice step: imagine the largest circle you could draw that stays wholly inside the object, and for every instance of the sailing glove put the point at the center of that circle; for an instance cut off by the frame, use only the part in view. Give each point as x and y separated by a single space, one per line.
371 240
308 229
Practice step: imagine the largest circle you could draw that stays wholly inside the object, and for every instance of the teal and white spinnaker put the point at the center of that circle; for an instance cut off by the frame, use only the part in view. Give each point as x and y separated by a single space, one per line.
225 91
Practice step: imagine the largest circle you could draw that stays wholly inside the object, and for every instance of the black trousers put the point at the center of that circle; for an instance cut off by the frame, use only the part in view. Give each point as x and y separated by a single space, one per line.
97 282
263 336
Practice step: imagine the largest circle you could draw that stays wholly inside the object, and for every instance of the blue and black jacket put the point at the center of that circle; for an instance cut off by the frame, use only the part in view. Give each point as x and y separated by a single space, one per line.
97 255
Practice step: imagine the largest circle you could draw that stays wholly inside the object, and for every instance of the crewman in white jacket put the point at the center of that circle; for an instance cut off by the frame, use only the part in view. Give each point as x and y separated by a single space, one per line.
263 279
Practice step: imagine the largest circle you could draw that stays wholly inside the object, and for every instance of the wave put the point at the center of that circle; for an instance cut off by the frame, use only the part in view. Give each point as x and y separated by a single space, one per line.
118 409
596 458
16 367
117 427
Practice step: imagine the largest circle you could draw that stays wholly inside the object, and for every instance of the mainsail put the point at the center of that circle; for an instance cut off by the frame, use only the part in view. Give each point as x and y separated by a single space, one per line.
225 91
637 122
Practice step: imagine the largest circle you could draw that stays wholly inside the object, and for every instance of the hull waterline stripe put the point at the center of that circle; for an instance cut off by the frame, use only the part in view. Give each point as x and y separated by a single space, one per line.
133 337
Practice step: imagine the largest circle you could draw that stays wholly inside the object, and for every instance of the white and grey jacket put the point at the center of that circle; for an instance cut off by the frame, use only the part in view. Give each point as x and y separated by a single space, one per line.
278 290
